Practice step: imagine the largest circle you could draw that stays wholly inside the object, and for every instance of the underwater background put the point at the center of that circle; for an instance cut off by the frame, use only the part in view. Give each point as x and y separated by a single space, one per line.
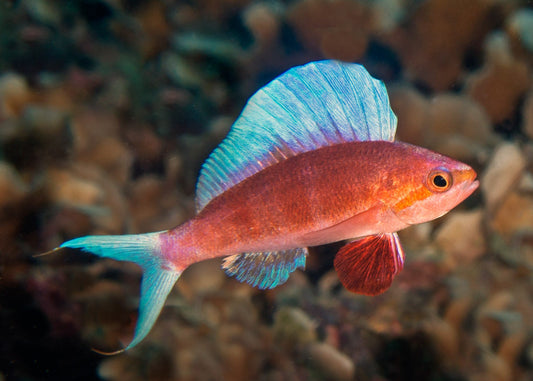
108 108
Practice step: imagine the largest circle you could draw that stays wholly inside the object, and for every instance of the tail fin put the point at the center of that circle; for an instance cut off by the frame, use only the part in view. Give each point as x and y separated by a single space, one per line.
158 278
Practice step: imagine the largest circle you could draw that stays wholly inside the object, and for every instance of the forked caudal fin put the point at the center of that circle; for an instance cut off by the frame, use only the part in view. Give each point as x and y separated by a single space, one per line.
158 276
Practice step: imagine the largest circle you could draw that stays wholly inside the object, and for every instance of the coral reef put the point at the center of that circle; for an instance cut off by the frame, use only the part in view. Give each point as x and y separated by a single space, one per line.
107 111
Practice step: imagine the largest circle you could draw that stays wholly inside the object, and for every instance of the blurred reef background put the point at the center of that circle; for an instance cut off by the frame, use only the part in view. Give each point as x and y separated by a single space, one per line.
108 109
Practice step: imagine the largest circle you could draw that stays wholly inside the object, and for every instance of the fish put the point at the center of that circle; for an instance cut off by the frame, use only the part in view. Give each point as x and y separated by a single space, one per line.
311 160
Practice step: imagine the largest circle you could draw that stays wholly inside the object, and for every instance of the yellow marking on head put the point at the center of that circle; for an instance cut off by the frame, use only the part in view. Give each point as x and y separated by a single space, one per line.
418 194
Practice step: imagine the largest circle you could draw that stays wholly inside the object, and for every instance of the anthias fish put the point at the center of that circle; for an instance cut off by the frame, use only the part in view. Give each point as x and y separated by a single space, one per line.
311 160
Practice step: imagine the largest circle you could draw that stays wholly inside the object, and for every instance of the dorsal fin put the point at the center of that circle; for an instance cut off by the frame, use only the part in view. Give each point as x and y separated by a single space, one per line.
319 104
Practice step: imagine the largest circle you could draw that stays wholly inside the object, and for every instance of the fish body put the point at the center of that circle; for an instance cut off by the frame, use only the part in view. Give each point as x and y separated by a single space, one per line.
311 160
326 195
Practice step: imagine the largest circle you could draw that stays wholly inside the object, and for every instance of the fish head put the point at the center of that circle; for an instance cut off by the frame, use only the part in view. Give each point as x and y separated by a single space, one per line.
433 186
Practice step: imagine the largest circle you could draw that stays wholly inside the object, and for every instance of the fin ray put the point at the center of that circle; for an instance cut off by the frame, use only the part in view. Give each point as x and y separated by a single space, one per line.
155 287
368 265
158 277
265 270
308 107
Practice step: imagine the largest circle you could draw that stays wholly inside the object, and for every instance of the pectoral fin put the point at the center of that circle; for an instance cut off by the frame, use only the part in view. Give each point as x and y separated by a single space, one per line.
368 265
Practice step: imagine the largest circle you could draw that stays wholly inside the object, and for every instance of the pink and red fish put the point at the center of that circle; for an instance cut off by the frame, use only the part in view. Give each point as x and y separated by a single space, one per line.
311 160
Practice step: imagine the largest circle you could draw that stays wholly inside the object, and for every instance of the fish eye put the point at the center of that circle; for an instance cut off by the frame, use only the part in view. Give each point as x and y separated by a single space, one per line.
439 180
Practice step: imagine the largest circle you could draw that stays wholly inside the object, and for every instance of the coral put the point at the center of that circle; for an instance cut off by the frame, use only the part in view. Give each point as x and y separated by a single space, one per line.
461 236
335 365
501 82
447 123
155 28
514 216
502 174
264 23
12 187
109 108
520 24
14 93
434 41
334 29
38 136
527 112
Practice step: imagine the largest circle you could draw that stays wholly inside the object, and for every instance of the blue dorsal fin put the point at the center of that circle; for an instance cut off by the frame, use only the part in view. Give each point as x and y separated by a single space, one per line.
319 104
265 270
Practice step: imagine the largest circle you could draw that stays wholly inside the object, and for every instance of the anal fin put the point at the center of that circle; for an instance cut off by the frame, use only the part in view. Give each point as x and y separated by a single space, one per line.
368 265
265 270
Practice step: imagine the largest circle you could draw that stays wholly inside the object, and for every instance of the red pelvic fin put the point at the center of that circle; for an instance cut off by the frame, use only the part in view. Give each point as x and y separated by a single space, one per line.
368 265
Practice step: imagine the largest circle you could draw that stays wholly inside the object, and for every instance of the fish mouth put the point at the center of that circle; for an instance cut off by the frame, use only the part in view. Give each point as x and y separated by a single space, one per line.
470 188
473 184
468 179
468 185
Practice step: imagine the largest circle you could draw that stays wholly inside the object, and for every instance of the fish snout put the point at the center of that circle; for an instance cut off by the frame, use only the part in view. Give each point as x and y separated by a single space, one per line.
467 178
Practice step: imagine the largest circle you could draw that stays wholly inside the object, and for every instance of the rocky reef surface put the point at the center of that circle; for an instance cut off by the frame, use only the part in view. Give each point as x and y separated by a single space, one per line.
108 109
